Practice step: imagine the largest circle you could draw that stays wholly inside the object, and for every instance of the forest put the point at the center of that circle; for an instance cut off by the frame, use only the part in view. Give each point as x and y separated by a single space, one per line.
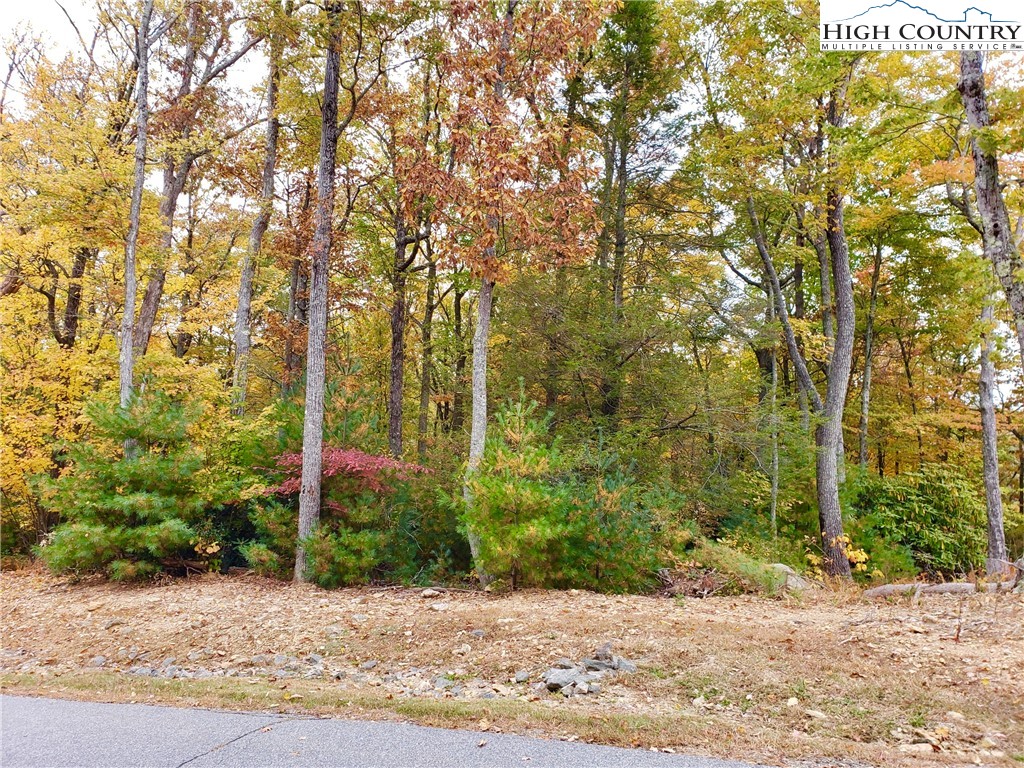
509 294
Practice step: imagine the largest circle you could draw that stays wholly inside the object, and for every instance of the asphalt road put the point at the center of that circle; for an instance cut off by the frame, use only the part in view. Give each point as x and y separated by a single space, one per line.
51 733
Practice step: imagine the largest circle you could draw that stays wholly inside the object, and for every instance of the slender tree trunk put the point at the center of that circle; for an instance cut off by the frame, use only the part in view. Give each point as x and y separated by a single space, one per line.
997 559
478 427
243 316
427 371
126 357
459 393
830 432
397 373
869 330
997 236
319 252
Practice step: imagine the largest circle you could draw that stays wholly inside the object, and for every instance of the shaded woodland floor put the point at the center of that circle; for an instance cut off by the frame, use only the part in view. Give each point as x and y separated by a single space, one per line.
826 680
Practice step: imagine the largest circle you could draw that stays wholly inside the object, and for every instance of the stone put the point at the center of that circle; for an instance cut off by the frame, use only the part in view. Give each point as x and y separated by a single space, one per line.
565 663
604 652
477 633
112 623
359 617
168 662
790 580
594 687
522 676
429 593
439 606
314 658
97 661
556 678
917 749
624 665
369 664
816 714
597 665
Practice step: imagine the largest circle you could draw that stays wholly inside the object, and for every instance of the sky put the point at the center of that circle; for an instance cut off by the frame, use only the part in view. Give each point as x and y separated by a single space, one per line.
46 19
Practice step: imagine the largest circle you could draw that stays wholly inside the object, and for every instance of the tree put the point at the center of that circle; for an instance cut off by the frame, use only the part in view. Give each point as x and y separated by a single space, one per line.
243 318
511 189
126 361
997 234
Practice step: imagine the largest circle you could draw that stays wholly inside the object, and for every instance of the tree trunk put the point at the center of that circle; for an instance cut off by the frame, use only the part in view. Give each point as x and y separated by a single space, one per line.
319 252
427 369
829 433
997 236
869 329
459 393
243 316
397 375
478 426
997 559
126 357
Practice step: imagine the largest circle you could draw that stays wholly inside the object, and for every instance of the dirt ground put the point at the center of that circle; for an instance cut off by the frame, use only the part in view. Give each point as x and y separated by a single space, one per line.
826 680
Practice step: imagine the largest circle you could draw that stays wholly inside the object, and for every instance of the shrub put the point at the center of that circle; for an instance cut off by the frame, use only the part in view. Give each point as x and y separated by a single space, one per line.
934 515
542 524
128 516
360 532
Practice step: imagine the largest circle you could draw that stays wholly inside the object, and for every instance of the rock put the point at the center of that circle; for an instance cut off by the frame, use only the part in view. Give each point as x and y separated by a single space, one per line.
954 715
594 687
439 606
168 662
792 701
314 658
97 661
604 652
816 714
463 649
790 580
429 593
522 676
443 683
359 617
369 664
917 749
556 678
112 623
477 633
582 688
597 665
564 663
624 665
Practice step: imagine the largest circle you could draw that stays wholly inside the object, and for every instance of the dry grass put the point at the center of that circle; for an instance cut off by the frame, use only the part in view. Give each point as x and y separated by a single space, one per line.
716 676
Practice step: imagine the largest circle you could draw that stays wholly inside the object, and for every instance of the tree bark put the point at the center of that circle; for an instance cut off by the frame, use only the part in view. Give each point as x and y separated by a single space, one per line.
997 235
126 357
997 560
869 331
319 253
397 373
459 393
243 315
427 369
478 425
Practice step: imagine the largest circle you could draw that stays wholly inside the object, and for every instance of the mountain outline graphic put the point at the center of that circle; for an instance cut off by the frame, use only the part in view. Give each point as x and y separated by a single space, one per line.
904 4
